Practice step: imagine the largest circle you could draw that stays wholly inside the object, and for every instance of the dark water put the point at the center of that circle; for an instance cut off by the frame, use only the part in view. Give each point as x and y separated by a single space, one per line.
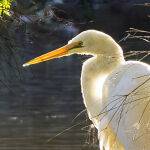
43 104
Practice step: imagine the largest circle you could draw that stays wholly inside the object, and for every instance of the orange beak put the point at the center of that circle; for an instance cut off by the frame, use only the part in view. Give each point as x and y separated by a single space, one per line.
60 52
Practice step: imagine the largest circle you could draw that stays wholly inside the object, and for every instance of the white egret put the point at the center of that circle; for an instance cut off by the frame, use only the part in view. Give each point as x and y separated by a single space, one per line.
116 92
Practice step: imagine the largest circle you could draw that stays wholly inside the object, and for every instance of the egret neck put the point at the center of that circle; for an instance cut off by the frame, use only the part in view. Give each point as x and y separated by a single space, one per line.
94 72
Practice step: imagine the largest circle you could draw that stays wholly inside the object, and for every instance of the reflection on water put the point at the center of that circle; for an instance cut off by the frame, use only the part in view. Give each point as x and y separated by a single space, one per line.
44 104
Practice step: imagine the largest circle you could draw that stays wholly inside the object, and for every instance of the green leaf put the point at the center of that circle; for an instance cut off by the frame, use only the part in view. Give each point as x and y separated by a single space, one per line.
5 7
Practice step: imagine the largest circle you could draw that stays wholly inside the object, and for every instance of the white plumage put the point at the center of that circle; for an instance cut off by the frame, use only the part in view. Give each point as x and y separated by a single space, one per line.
116 92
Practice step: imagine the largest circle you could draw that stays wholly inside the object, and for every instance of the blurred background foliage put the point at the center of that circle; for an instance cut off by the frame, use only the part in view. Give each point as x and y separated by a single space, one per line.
40 101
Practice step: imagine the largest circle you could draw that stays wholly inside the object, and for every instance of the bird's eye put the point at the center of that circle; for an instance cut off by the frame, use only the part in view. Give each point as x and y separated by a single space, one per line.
80 44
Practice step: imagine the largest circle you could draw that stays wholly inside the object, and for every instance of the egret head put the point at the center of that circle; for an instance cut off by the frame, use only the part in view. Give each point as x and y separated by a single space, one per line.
90 42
